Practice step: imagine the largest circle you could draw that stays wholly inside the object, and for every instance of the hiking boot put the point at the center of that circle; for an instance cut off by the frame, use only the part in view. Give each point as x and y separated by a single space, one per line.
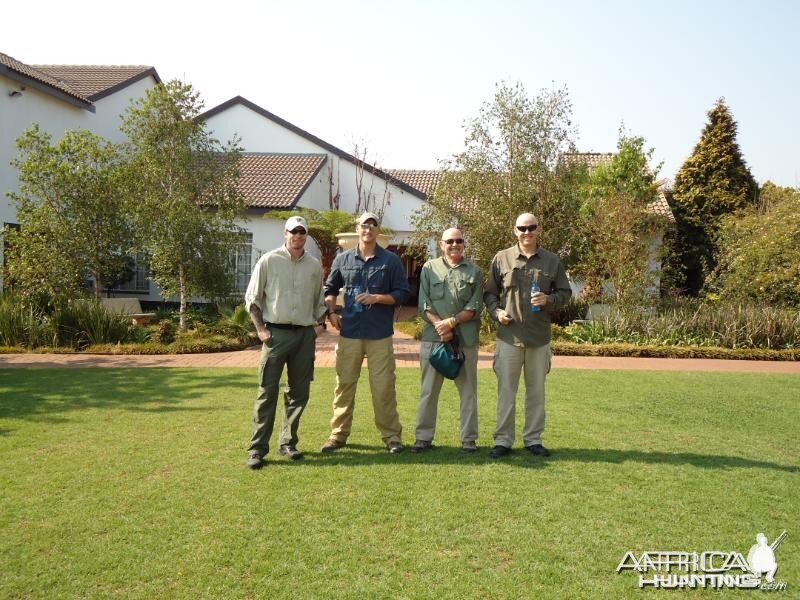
254 460
290 452
469 447
421 446
499 451
395 447
538 450
332 445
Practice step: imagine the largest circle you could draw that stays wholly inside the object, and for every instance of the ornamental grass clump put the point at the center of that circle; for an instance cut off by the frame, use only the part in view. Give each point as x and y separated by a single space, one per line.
694 323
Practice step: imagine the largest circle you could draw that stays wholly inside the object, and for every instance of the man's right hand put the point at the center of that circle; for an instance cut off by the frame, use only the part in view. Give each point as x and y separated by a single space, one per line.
336 320
504 317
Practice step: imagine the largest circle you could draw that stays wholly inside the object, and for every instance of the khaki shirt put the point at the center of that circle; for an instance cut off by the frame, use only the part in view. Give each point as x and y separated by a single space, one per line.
287 291
509 288
447 290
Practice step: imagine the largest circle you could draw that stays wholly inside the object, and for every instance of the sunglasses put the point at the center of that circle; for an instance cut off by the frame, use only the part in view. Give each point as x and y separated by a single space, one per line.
298 231
528 228
368 226
453 241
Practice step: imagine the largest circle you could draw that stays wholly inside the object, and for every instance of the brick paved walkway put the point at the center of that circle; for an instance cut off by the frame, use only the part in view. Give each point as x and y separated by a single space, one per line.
406 352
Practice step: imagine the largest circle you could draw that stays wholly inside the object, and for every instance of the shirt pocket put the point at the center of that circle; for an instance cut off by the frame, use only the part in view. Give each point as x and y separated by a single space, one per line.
546 280
437 290
377 280
464 289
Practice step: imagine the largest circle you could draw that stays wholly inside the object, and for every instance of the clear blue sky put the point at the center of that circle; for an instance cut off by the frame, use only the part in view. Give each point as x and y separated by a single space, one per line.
401 77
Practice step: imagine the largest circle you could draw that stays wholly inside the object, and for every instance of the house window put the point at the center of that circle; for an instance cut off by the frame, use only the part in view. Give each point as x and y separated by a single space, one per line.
139 282
242 263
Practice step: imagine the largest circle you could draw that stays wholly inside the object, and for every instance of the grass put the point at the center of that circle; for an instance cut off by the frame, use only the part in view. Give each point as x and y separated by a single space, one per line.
131 484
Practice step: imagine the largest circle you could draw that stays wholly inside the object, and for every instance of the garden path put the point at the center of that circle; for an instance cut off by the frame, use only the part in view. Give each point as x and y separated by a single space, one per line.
406 351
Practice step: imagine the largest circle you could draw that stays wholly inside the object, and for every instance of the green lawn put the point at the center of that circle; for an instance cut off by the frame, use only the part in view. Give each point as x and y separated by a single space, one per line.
131 484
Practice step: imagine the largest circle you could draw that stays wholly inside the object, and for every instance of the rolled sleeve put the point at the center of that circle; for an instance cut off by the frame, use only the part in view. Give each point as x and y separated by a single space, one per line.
400 289
335 280
254 295
491 297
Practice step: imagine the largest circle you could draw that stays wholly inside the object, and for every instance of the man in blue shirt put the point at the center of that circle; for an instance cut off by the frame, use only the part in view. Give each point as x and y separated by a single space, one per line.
374 283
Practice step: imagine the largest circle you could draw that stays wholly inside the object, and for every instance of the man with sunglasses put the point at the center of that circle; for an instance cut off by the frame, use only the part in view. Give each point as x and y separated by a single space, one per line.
374 283
285 302
450 300
523 338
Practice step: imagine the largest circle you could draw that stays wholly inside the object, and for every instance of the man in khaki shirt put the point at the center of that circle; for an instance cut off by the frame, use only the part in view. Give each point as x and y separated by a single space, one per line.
285 302
523 338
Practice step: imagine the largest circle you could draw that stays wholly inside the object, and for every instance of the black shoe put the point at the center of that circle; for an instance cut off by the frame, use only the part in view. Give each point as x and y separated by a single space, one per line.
538 450
395 447
499 451
290 452
254 460
421 446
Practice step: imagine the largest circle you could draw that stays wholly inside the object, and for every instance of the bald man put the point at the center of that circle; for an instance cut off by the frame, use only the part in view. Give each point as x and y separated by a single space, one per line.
523 337
450 300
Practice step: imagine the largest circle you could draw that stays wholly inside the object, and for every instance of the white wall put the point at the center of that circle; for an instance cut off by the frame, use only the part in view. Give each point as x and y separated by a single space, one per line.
55 117
260 134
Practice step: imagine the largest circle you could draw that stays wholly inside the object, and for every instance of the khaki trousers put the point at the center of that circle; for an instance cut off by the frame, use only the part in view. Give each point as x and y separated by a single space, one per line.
431 385
350 354
509 362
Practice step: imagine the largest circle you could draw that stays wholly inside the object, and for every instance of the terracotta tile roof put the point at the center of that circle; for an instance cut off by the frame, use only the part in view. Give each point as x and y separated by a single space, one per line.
659 206
277 180
95 81
422 180
238 100
29 71
590 159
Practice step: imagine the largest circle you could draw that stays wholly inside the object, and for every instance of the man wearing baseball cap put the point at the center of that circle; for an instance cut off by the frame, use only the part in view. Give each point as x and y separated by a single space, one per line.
374 283
285 302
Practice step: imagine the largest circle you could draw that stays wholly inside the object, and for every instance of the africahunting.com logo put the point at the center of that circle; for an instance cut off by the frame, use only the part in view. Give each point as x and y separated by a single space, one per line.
711 569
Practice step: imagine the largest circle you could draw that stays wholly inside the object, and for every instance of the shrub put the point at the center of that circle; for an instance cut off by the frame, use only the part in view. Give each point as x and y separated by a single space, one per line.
86 322
22 325
686 322
165 332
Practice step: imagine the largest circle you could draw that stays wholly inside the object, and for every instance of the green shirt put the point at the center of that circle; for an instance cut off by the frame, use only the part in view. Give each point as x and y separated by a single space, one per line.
509 288
287 291
447 290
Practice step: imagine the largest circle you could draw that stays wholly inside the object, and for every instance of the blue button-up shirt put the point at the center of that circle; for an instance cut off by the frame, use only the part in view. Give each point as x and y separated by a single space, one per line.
381 274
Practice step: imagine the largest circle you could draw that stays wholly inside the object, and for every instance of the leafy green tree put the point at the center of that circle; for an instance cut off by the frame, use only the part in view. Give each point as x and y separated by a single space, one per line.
510 165
187 198
617 225
713 182
759 250
73 213
322 227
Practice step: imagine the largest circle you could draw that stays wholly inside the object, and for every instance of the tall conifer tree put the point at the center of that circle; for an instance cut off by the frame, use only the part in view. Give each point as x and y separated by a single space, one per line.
713 182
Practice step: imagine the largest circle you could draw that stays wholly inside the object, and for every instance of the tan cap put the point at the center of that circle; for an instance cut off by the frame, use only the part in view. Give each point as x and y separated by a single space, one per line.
367 216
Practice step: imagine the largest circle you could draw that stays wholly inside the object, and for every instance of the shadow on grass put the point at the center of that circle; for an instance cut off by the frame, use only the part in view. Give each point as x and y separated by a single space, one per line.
354 455
49 394
704 461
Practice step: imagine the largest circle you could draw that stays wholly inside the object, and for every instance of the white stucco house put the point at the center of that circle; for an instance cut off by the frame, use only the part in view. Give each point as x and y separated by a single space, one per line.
59 98
283 167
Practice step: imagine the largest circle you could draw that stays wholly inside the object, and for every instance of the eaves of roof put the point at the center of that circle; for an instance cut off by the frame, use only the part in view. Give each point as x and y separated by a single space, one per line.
31 77
314 140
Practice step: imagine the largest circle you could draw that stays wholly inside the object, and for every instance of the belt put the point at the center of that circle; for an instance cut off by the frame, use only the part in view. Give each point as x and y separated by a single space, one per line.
286 326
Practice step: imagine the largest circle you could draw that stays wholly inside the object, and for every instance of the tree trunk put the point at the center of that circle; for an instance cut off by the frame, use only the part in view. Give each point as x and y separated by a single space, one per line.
98 285
182 278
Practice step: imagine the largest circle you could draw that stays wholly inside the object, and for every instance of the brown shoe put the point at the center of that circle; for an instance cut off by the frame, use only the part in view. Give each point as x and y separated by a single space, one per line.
469 447
332 445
